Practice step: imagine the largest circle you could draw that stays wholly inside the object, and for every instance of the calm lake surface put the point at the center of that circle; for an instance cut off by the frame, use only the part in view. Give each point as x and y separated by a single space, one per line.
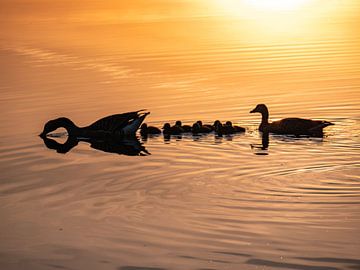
195 202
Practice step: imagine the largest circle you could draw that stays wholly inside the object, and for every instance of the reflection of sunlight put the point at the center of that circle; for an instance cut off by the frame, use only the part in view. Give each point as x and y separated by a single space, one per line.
267 5
276 5
277 19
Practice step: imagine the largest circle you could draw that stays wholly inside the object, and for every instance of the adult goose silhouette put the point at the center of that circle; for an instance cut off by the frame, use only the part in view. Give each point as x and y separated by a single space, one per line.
121 125
291 126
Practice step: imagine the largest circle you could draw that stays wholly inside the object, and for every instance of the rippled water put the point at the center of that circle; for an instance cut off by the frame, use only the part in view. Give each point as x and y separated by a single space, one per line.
196 202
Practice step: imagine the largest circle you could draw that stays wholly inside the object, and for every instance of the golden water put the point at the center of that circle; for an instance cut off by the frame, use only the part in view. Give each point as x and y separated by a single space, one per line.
194 203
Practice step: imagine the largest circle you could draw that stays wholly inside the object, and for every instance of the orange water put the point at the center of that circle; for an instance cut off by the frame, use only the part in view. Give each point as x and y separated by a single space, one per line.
194 203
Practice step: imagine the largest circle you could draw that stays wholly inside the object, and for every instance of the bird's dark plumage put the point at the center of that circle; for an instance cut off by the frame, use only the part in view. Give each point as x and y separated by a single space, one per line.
149 130
124 124
185 128
172 130
197 128
293 126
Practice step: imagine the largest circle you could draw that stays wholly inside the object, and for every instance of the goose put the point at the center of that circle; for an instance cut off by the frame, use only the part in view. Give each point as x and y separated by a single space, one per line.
211 127
291 126
197 128
124 125
149 130
227 129
235 128
221 129
172 130
186 128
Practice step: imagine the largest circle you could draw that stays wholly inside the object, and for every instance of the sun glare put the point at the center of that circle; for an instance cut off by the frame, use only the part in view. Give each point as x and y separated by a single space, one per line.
271 19
265 5
276 5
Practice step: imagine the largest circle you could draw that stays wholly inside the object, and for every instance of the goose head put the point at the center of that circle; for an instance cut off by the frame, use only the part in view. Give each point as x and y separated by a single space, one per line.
196 127
143 126
260 108
178 123
166 126
218 126
58 123
217 123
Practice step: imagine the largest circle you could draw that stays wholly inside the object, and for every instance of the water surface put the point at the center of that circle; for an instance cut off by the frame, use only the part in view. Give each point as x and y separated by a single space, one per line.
195 202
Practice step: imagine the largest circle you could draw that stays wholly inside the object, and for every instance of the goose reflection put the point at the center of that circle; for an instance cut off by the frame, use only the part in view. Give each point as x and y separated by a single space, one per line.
129 146
261 149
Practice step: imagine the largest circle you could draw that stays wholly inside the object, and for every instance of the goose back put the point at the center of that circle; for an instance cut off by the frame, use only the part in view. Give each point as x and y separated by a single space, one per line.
297 126
114 122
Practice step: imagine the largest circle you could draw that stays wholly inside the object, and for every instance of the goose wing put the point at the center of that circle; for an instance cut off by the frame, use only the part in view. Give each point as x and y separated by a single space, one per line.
299 125
115 122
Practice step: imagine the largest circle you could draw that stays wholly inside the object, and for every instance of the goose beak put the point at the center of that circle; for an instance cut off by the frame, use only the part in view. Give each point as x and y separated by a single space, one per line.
42 135
253 111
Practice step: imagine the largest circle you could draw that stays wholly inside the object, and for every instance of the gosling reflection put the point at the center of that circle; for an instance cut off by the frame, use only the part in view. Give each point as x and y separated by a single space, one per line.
128 146
194 137
168 137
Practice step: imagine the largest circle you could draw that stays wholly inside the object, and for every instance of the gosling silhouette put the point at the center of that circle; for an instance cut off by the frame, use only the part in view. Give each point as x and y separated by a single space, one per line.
205 127
146 130
237 129
186 128
199 128
122 125
172 130
227 129
291 126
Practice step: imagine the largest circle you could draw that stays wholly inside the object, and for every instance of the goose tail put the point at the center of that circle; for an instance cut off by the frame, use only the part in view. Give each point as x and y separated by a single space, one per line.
132 127
327 123
321 126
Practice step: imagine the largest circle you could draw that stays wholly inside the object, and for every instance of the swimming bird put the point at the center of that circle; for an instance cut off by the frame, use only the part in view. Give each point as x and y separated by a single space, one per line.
172 130
293 126
219 128
235 128
206 126
124 125
149 130
225 129
197 128
216 123
186 128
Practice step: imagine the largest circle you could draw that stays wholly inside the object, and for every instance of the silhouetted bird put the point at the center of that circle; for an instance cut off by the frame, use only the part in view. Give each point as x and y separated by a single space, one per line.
221 129
186 128
294 126
236 129
123 125
146 130
197 128
218 128
211 127
172 130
